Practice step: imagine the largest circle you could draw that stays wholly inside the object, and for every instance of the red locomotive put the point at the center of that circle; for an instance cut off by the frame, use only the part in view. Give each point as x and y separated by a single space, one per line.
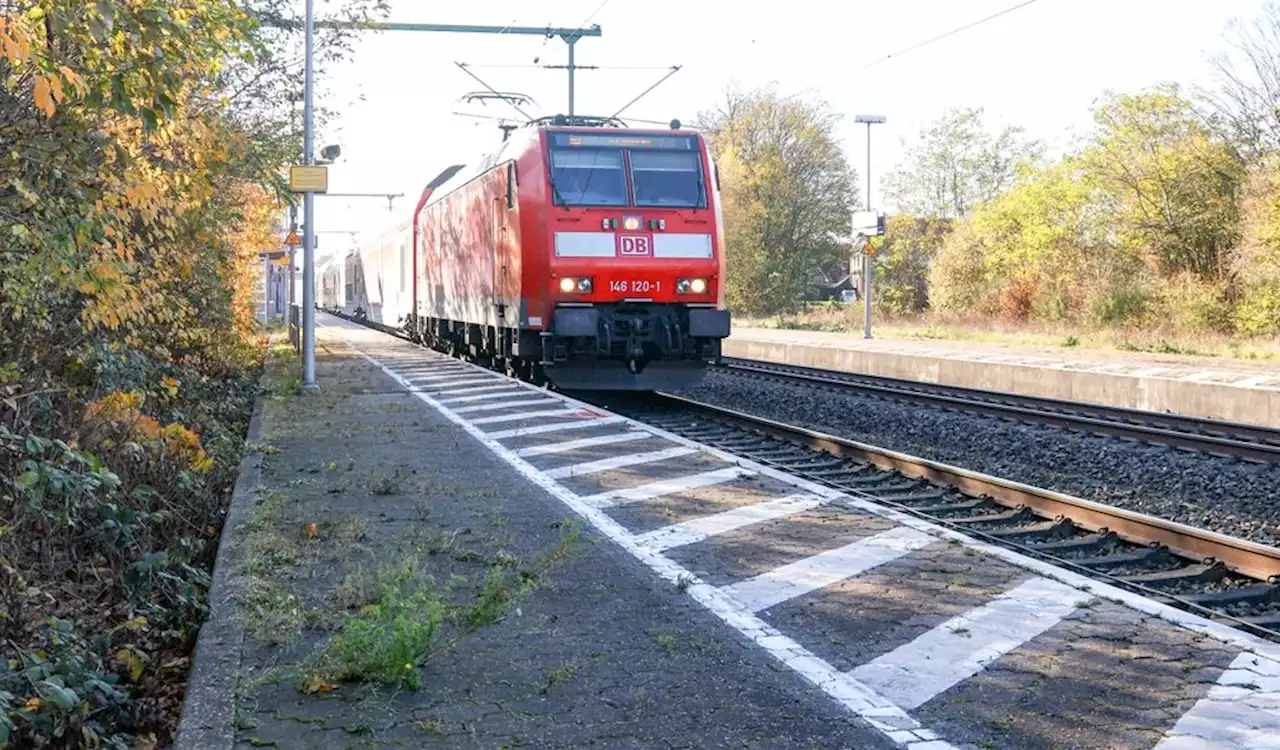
587 254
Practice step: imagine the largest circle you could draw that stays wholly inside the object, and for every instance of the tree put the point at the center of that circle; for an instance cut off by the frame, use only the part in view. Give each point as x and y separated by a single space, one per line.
1246 104
1175 184
903 257
788 191
956 165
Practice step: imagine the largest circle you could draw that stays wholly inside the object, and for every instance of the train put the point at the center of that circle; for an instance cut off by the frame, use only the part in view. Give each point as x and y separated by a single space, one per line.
580 253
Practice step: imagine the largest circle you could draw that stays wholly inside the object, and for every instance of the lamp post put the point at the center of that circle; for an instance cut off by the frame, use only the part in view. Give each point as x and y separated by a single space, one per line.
309 217
867 261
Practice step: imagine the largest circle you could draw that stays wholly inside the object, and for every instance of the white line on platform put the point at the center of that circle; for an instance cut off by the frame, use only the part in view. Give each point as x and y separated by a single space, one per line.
963 646
509 388
504 391
1241 711
697 529
665 487
825 568
455 383
557 427
543 401
525 415
618 462
442 378
573 445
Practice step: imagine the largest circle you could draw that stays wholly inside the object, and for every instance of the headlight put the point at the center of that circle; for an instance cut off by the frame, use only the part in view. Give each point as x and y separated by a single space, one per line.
571 284
691 286
568 285
631 223
584 285
682 286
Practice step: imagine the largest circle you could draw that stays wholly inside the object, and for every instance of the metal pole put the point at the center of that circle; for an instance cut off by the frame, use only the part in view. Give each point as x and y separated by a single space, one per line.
308 228
867 259
572 41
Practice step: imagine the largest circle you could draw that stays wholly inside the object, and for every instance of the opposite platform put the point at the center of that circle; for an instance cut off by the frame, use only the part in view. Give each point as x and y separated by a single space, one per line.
1231 390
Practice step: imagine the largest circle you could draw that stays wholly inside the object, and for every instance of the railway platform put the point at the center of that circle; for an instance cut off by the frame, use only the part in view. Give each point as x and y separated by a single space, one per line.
1232 390
581 579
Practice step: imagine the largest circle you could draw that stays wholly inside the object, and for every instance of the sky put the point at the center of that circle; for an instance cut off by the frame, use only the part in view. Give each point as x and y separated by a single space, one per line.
1041 67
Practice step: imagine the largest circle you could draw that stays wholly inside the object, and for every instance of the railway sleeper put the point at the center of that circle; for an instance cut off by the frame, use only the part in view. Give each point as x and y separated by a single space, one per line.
1151 556
1036 532
1198 574
1254 593
963 506
1012 517
1089 542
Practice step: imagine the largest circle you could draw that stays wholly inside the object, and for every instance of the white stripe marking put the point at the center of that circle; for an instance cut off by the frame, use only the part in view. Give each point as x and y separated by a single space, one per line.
510 388
505 392
618 462
959 648
525 415
665 487
543 401
558 426
573 445
697 529
1241 711
861 700
825 568
442 378
455 384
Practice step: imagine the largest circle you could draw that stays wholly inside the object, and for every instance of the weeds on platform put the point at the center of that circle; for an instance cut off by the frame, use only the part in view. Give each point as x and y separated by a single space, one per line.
404 619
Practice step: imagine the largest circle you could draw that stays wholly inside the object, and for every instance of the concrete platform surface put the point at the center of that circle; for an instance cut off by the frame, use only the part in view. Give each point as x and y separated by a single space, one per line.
1242 391
706 602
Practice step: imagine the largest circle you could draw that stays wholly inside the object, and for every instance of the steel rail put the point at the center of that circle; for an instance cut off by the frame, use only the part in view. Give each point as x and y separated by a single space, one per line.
1226 439
1248 558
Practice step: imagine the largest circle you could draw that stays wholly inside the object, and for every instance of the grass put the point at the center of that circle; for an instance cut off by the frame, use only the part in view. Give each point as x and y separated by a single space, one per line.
402 619
931 327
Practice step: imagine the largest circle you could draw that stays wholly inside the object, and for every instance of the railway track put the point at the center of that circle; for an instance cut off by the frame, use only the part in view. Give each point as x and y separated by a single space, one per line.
1217 576
1224 439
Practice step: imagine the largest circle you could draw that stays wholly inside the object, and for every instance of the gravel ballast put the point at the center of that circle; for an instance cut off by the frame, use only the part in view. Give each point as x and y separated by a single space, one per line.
1228 496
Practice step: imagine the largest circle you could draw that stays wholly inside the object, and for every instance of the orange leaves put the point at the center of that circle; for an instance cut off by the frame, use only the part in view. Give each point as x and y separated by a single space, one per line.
15 44
120 412
44 96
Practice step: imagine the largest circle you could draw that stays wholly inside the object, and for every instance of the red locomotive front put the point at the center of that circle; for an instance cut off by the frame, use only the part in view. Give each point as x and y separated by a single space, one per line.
590 256
633 283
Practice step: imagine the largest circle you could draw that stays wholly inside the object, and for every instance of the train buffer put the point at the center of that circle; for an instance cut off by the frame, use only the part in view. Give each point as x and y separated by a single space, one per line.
427 554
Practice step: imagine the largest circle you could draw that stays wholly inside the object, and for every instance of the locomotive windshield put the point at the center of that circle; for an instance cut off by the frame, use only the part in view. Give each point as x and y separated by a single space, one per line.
588 177
588 169
672 179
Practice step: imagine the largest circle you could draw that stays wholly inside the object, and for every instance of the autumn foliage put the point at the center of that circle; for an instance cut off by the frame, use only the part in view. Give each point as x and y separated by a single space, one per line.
135 196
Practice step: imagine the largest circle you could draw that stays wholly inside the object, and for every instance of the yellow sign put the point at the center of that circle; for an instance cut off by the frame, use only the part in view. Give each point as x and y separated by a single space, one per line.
292 239
308 179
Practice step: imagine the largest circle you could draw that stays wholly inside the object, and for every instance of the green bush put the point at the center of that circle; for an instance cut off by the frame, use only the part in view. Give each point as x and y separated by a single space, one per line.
1258 311
1121 304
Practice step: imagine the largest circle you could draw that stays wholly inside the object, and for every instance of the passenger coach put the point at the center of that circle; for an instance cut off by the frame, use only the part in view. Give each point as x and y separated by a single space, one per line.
588 255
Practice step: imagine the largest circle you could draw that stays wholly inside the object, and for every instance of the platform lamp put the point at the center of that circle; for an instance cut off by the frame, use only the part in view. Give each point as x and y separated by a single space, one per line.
867 259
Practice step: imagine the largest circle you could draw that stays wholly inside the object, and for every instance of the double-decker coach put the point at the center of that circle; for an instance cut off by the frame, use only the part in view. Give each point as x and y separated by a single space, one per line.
586 254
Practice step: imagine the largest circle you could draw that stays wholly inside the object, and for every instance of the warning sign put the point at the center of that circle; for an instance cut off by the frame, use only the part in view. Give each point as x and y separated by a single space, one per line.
292 239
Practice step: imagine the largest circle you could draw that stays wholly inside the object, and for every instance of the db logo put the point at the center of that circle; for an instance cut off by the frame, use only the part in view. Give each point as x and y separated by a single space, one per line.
634 244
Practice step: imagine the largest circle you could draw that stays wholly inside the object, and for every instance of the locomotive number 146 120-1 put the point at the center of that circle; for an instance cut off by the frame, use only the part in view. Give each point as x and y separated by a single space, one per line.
642 287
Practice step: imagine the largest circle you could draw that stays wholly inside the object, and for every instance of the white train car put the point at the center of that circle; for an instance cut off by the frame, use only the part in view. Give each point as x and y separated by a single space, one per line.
382 277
